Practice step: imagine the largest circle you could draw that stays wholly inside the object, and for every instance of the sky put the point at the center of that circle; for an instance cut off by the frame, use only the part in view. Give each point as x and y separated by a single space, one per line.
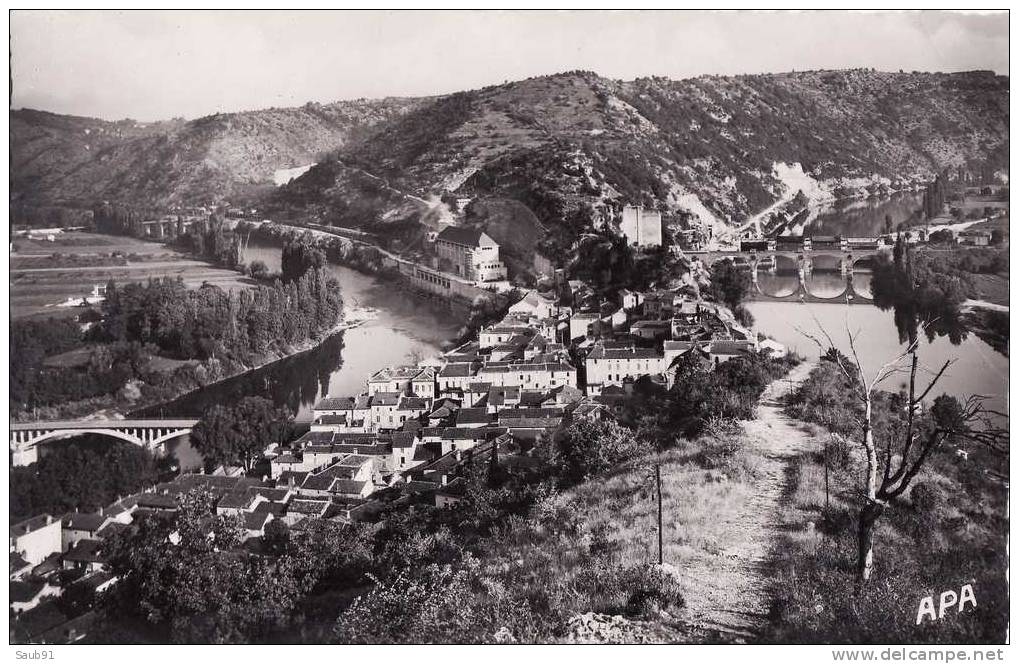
158 65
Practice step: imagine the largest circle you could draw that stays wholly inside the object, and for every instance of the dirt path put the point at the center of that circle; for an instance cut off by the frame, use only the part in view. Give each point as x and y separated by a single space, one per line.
733 589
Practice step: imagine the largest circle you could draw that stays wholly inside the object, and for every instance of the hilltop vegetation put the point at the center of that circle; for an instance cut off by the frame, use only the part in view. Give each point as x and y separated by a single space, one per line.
574 147
62 164
571 147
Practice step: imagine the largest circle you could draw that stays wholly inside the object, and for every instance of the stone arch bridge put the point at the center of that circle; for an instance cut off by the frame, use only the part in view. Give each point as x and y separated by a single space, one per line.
846 261
150 434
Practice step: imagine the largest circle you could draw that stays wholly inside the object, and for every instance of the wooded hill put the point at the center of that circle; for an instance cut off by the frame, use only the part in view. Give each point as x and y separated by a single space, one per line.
569 147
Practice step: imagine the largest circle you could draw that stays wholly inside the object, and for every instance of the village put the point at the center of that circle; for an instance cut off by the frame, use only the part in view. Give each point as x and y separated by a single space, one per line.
560 354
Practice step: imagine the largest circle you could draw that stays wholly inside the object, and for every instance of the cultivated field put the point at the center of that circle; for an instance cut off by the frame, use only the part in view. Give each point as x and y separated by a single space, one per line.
45 274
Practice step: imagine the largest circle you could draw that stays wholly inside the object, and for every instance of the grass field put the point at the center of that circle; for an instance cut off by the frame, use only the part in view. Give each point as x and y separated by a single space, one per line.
41 281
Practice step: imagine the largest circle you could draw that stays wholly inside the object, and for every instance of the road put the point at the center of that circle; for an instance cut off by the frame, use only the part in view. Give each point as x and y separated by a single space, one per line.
734 589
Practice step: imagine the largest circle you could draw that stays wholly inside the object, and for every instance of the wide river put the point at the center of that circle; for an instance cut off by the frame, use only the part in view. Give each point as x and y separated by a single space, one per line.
406 328
977 368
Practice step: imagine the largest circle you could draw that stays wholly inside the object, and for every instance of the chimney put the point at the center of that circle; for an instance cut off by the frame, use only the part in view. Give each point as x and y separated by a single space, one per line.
458 454
444 479
101 510
49 519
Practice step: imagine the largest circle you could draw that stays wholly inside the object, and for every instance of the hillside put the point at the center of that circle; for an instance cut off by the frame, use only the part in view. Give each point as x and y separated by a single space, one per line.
575 146
570 149
64 162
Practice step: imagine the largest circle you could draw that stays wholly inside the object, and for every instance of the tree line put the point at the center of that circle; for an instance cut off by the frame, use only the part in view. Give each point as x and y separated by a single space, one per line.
210 322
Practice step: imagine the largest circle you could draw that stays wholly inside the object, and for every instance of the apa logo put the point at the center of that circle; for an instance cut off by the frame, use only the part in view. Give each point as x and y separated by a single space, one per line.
947 600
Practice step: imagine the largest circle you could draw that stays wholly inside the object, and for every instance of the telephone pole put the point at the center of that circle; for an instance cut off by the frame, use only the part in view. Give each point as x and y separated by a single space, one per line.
658 484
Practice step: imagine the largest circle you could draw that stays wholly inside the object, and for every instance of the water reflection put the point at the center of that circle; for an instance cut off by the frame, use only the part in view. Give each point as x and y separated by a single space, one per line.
978 369
863 217
405 329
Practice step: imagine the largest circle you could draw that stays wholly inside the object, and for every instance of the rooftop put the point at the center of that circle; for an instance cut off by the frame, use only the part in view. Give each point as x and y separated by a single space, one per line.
467 237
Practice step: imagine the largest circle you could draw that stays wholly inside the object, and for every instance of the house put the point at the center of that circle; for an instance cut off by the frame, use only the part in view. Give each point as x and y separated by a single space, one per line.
36 538
79 526
536 304
641 227
19 567
254 523
383 410
393 379
451 493
975 238
584 325
423 384
458 376
774 348
26 595
611 366
85 554
471 254
472 418
651 329
532 375
721 350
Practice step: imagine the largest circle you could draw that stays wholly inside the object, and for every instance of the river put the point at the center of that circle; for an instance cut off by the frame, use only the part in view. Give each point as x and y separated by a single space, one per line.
861 217
404 328
978 368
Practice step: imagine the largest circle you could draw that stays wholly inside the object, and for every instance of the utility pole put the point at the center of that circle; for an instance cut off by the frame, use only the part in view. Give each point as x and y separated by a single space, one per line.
658 484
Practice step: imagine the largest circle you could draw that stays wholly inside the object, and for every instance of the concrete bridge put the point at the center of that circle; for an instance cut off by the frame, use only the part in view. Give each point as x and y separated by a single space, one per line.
150 434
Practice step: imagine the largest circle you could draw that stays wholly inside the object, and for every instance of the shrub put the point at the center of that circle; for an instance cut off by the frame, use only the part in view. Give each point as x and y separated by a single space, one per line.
652 589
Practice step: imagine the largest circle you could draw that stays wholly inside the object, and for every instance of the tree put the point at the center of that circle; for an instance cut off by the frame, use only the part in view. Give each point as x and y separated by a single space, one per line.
923 302
587 448
729 283
258 269
240 434
177 575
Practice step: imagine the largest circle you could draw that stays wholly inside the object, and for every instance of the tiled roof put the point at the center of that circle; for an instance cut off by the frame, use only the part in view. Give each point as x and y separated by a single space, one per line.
307 506
83 521
456 371
335 403
157 500
394 373
26 591
403 439
18 563
255 520
472 416
468 237
349 487
30 525
386 398
86 550
331 419
602 353
414 403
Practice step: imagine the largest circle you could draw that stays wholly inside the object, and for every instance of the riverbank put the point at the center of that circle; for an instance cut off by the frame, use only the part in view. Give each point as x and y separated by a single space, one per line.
137 395
449 290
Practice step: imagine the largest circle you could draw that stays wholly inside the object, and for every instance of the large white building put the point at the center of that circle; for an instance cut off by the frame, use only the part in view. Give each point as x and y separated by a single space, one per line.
642 227
613 366
472 254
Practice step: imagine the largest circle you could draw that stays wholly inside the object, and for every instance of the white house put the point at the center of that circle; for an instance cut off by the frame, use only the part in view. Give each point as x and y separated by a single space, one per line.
36 538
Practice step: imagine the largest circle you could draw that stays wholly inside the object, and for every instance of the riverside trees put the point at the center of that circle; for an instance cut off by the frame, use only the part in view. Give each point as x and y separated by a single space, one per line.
925 303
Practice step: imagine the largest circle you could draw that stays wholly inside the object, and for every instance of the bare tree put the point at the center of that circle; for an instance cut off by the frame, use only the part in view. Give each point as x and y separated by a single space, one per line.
905 454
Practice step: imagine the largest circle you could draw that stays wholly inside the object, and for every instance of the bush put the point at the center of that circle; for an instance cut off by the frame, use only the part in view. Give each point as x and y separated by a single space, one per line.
587 448
652 589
